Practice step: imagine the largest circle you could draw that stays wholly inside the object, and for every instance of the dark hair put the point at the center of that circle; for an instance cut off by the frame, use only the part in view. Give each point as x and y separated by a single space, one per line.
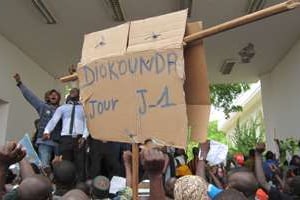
46 97
294 160
230 194
243 180
269 155
64 173
148 140
83 187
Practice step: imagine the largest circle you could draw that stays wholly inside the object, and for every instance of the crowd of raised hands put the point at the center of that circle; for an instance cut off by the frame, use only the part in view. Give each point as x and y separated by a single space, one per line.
207 182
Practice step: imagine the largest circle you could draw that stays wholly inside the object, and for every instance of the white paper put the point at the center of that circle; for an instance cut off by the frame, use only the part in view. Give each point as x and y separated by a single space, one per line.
217 153
117 184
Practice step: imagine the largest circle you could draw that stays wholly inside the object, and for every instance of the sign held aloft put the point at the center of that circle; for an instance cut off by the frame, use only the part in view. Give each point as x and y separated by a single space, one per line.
137 82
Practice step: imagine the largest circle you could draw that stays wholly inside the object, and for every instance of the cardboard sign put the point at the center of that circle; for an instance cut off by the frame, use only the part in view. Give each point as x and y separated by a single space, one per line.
135 92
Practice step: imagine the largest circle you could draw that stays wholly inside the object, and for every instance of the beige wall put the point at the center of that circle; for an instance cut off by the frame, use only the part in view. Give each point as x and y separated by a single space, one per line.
16 114
281 97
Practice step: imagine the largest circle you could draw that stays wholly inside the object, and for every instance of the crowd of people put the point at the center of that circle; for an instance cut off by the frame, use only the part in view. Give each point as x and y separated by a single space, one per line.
77 166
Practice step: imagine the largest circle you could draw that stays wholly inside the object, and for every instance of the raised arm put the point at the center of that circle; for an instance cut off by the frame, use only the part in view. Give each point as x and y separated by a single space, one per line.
127 156
200 169
35 101
54 120
153 164
25 169
260 175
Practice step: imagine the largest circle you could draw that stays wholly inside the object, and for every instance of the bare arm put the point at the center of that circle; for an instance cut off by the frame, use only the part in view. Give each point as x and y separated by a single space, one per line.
260 175
200 169
154 163
216 180
3 169
127 156
25 169
35 101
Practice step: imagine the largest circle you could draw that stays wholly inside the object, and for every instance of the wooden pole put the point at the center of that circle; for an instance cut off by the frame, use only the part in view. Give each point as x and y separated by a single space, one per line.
267 12
135 170
72 77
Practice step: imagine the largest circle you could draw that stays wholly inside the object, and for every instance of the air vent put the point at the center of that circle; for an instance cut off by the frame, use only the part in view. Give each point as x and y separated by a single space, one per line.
227 66
44 11
115 9
255 5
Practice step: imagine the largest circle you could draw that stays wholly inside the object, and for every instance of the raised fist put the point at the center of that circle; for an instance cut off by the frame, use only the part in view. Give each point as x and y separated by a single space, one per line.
153 161
17 77
11 153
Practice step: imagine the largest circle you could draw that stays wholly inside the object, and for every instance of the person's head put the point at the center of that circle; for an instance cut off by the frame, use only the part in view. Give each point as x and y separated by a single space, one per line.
251 153
64 173
190 188
83 187
243 180
295 161
269 155
149 144
36 187
74 95
169 187
292 186
75 195
230 194
100 187
52 97
239 159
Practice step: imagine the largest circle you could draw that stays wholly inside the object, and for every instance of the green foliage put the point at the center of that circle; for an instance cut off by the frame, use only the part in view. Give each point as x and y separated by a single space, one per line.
288 146
223 95
213 134
247 135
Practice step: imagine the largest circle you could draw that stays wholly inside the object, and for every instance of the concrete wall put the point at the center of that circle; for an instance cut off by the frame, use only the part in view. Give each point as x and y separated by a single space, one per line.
281 97
16 114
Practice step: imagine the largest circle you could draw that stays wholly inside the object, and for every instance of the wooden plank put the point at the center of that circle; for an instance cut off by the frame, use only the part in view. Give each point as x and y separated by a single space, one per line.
267 12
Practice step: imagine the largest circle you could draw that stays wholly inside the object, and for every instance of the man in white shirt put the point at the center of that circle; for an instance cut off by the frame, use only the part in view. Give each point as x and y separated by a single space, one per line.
74 131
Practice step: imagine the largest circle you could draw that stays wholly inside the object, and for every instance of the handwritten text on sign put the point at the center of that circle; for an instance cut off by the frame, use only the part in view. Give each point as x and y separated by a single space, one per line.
129 91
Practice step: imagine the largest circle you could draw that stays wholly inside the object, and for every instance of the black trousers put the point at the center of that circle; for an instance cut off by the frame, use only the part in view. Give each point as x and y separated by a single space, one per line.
70 150
104 159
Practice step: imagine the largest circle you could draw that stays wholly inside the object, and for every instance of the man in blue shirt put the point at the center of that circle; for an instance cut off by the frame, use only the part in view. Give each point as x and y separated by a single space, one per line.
45 110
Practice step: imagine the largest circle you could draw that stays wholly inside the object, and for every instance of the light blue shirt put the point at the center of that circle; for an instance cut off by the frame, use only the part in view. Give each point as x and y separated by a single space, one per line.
64 112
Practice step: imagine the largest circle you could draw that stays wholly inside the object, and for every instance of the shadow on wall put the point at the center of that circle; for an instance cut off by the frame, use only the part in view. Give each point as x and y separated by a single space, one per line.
4 107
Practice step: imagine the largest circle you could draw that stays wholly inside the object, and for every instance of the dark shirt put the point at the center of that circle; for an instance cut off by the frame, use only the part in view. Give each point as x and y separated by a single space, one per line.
275 194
